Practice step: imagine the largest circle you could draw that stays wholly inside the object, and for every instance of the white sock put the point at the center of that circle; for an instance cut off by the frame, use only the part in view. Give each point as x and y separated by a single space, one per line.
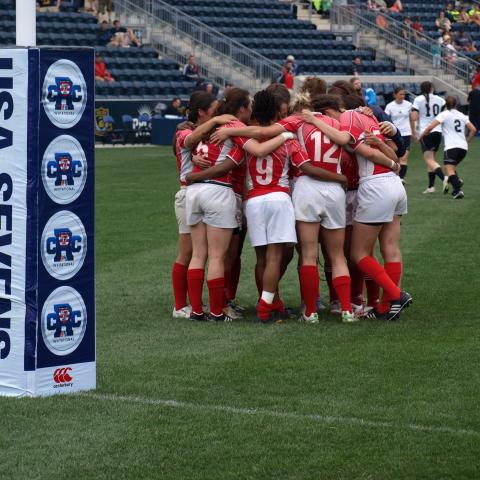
267 297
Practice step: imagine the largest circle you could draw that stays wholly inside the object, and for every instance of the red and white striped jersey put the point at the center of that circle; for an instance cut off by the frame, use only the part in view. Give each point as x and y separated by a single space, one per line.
271 173
217 154
356 124
323 153
183 154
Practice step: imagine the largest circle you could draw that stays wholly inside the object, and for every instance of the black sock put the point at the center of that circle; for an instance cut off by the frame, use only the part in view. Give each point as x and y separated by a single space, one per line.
439 173
431 179
453 179
403 170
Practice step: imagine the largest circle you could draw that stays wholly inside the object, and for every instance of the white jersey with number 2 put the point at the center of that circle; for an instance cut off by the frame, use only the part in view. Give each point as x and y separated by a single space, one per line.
427 111
453 125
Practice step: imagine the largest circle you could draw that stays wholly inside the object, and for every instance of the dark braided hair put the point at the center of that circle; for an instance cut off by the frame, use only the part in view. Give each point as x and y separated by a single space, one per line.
265 107
426 89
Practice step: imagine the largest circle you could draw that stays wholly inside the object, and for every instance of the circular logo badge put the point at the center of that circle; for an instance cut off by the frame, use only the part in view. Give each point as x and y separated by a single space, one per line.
64 320
64 169
64 94
64 245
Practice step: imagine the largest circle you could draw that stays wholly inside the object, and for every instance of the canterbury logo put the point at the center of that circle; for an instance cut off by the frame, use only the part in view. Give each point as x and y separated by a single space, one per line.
61 375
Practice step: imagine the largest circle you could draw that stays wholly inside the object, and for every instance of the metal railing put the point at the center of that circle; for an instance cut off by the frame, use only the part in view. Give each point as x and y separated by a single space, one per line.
416 45
177 34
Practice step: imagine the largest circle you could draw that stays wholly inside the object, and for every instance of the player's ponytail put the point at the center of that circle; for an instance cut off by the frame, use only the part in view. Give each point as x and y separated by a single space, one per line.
231 103
265 108
199 101
450 102
426 88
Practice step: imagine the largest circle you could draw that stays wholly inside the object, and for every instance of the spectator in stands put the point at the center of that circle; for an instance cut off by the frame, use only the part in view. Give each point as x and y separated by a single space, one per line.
104 34
464 42
295 66
123 37
356 68
436 50
474 104
101 72
287 76
463 17
105 10
191 71
407 31
452 13
450 51
90 6
417 27
224 92
442 23
175 108
474 14
49 5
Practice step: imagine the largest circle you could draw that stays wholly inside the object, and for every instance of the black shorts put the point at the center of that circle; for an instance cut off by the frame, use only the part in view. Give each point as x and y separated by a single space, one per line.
454 156
406 141
431 143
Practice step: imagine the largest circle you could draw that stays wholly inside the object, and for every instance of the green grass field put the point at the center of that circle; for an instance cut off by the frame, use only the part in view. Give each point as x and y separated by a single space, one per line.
181 400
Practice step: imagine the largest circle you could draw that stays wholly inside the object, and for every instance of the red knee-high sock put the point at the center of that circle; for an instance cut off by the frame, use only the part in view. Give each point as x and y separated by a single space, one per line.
369 266
373 292
394 271
195 287
342 286
356 276
234 278
180 285
215 290
309 284
328 277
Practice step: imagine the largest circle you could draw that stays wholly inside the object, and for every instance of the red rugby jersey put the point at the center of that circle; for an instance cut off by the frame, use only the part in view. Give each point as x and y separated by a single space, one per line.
323 153
356 124
216 154
183 154
270 174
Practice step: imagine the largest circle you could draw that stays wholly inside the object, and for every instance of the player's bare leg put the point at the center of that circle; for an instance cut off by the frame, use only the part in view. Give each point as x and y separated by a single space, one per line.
433 169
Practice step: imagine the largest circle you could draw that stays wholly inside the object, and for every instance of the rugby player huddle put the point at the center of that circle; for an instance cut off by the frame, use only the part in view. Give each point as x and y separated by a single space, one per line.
318 170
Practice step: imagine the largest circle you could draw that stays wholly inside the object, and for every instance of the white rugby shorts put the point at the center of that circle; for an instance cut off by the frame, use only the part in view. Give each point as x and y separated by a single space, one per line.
180 211
270 219
379 198
317 201
351 206
212 204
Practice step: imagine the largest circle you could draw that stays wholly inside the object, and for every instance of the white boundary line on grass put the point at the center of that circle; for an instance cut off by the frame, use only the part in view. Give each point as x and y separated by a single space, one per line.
280 414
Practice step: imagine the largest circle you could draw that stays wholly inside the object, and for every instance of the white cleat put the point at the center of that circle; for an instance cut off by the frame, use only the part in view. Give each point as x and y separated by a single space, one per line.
445 185
349 317
313 318
429 190
183 312
232 313
335 307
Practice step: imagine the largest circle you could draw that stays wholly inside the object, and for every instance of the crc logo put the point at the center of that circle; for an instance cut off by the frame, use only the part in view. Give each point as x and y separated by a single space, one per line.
62 377
64 169
64 245
64 321
64 93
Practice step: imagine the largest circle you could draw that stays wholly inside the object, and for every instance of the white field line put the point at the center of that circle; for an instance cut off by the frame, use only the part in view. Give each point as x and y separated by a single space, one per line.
329 419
